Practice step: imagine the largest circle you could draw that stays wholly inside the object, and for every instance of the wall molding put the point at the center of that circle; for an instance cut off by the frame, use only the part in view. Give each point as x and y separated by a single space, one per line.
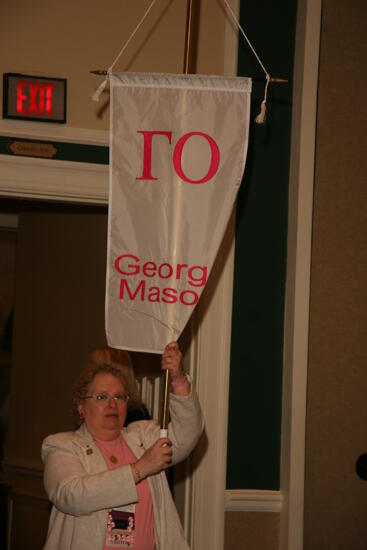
301 181
53 132
58 180
212 347
245 500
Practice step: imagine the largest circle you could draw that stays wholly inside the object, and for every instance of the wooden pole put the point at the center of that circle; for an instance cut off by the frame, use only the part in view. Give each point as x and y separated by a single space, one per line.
188 37
186 65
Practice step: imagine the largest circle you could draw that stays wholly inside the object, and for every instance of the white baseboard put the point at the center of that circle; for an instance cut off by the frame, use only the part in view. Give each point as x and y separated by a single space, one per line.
241 500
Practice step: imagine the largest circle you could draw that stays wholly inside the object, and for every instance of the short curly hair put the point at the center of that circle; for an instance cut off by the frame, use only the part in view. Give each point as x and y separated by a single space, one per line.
100 363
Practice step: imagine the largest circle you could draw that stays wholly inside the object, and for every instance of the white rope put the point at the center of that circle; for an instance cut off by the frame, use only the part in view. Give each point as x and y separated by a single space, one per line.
97 93
132 35
260 119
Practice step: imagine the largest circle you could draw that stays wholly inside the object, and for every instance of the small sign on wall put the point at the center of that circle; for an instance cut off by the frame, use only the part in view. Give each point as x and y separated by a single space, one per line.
34 98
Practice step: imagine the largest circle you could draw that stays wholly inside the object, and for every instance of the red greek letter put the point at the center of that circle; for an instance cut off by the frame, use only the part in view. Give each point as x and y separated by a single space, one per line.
147 159
214 163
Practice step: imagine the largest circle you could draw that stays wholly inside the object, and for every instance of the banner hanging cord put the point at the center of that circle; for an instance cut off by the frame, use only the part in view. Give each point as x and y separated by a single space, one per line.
260 119
97 93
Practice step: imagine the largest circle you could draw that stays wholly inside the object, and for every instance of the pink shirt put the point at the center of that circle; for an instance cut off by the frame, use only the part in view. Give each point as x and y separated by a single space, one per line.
144 521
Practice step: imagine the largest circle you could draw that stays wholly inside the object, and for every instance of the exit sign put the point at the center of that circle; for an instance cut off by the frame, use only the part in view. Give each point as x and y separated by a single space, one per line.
34 98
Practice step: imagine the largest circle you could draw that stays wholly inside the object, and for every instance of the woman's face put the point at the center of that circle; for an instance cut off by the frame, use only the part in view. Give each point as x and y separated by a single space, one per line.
104 418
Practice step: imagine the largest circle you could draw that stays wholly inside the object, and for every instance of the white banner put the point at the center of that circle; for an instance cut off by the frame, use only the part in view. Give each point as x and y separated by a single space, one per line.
177 156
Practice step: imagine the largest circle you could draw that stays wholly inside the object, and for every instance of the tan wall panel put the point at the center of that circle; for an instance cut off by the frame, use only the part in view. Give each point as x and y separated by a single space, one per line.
335 498
210 50
251 531
68 39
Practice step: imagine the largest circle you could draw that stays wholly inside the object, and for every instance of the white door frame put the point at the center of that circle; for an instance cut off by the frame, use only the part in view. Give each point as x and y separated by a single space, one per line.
301 183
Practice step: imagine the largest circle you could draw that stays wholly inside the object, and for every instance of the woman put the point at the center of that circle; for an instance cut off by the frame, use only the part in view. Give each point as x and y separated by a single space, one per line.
107 355
107 483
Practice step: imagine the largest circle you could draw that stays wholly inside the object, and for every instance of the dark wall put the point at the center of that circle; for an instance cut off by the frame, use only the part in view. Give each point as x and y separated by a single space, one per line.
59 319
260 255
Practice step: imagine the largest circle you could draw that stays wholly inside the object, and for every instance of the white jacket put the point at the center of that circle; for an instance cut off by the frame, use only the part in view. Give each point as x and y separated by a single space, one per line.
82 490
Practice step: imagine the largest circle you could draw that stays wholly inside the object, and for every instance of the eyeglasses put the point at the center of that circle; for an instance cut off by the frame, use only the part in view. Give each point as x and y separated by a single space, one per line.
104 398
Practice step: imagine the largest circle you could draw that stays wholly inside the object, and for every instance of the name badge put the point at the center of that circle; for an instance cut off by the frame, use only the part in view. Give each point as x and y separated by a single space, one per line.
120 529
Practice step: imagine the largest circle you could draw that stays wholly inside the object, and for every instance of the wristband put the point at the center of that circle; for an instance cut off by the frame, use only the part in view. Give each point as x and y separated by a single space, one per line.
179 381
137 475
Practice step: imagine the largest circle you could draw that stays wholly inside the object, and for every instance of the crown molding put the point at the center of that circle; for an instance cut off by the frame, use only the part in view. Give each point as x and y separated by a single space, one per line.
34 178
53 132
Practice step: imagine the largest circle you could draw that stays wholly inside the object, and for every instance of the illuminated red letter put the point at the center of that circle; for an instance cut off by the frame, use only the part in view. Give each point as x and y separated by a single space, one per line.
33 89
20 96
177 156
49 90
147 161
42 99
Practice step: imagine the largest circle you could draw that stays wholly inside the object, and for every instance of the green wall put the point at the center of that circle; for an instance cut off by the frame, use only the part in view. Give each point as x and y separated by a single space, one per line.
260 254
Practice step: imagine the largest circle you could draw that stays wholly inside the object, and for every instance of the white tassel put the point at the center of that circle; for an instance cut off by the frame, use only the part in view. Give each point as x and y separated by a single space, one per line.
97 92
261 117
